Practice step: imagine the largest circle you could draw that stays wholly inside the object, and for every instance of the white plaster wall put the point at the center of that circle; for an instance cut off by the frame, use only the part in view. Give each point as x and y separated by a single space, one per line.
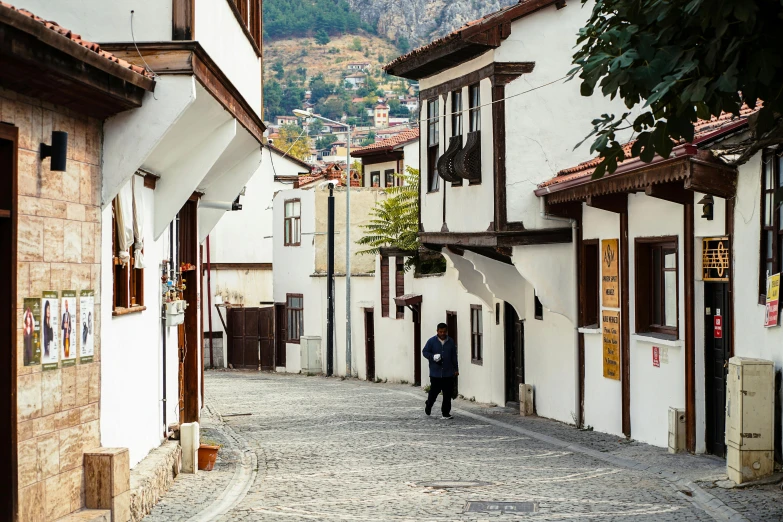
394 349
218 31
603 397
101 21
378 167
132 354
411 154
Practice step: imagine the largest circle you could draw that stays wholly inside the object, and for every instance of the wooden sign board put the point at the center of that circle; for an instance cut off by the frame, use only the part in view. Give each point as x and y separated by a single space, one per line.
610 273
610 331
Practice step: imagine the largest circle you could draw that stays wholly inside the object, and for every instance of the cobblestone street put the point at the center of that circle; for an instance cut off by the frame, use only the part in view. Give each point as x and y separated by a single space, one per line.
326 449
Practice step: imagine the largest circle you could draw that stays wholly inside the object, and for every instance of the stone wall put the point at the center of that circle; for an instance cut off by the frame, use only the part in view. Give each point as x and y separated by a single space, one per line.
152 477
58 248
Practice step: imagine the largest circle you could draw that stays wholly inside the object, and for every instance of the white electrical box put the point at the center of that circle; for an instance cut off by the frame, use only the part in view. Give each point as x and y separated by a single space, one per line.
676 430
175 312
310 352
750 435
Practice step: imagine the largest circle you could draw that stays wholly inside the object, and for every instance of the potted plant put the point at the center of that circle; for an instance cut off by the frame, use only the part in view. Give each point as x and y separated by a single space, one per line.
207 454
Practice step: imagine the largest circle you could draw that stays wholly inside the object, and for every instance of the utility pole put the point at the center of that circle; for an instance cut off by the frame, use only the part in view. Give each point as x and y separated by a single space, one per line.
330 284
348 369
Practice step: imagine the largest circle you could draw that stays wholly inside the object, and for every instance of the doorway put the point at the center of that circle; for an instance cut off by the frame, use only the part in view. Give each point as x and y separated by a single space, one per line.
266 338
717 351
243 338
515 353
280 348
8 299
369 342
453 332
189 336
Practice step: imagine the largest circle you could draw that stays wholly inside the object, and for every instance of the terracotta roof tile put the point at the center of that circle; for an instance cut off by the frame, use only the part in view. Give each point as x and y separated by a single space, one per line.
701 129
403 137
92 46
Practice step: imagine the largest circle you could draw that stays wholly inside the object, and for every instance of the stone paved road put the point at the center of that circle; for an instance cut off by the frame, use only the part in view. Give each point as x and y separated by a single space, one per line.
348 450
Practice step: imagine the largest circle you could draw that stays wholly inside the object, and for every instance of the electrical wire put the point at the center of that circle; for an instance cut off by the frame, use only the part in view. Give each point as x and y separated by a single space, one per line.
155 75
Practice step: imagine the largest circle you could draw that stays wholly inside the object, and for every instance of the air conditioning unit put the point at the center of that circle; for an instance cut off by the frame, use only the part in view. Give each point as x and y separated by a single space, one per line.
676 430
526 404
310 353
750 435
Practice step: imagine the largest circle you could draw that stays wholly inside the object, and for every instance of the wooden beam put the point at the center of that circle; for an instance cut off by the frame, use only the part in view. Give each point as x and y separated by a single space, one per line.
501 73
238 266
544 236
690 329
183 20
570 210
625 329
617 203
493 240
499 155
730 233
673 192
712 179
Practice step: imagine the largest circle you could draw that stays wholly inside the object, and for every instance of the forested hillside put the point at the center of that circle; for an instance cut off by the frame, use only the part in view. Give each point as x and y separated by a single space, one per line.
298 18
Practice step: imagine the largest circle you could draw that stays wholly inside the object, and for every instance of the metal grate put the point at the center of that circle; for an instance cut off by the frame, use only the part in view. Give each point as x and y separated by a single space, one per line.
501 507
447 484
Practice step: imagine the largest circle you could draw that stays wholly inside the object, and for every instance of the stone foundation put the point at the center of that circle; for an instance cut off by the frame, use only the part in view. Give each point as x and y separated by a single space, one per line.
152 477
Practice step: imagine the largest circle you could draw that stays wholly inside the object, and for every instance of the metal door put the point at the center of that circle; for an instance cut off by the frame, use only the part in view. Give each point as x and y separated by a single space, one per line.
515 353
717 324
243 324
266 338
369 342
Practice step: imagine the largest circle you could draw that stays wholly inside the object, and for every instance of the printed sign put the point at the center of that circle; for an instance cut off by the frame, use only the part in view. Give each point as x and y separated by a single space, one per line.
656 357
49 331
68 328
773 297
610 322
664 355
610 273
87 309
717 325
31 331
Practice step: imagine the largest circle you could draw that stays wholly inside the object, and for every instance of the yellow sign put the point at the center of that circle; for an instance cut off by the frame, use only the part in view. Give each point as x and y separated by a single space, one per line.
610 273
610 331
715 259
773 299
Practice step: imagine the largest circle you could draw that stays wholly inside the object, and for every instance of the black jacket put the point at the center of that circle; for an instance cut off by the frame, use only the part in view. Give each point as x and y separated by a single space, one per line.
448 364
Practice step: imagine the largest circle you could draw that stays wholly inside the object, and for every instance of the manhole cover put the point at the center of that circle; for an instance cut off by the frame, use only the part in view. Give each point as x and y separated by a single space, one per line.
445 484
501 507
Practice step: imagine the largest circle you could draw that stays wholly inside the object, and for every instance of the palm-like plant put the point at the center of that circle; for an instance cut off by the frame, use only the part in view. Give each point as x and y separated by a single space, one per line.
395 220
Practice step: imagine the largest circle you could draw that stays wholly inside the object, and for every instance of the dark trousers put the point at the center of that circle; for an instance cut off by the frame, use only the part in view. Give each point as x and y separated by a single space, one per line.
437 385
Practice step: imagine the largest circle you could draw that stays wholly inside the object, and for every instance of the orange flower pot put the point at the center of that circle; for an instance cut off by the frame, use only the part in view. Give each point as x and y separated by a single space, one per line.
206 456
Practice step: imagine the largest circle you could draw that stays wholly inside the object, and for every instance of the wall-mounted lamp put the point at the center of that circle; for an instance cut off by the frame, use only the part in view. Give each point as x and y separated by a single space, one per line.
707 205
58 150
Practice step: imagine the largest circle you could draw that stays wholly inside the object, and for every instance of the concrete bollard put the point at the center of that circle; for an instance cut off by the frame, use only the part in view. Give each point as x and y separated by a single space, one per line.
526 404
190 441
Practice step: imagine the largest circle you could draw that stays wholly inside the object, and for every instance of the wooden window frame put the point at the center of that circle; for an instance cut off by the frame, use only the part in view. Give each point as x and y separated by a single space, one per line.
127 282
289 331
474 107
384 286
538 308
389 177
456 122
249 15
433 145
476 335
592 298
288 221
644 267
399 284
375 177
771 180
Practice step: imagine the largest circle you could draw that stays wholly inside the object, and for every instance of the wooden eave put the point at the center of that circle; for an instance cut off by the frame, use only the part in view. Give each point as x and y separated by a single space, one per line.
493 239
46 65
464 44
692 170
408 300
189 57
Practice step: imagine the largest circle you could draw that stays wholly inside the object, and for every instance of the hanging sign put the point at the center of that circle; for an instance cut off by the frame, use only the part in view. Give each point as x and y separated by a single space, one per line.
717 325
773 296
610 273
715 259
656 357
86 309
31 331
610 326
50 347
68 322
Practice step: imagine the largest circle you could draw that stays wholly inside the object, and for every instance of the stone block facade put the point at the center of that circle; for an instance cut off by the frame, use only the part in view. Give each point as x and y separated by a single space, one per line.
58 247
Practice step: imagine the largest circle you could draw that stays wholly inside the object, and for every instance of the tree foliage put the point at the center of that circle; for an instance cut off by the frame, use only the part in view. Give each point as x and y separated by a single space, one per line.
675 61
322 37
301 18
394 221
325 141
290 139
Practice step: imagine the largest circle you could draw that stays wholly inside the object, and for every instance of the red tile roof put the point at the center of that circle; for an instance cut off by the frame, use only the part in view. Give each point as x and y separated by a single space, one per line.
92 46
702 129
331 172
402 138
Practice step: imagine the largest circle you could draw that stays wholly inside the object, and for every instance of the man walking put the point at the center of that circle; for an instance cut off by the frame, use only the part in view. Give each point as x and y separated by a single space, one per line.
441 351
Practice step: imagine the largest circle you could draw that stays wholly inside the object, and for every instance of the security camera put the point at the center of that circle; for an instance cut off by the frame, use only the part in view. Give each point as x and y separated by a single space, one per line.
269 141
236 205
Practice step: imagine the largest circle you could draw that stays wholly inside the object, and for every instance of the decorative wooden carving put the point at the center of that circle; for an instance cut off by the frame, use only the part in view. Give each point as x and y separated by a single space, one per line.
468 160
446 163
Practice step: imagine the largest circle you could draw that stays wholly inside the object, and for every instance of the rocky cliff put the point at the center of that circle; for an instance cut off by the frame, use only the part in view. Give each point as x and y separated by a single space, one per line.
420 21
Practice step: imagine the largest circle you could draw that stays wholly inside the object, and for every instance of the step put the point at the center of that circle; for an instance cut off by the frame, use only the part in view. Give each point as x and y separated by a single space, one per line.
88 515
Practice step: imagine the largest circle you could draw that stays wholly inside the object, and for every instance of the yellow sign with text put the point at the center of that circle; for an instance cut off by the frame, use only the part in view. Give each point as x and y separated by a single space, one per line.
610 332
610 273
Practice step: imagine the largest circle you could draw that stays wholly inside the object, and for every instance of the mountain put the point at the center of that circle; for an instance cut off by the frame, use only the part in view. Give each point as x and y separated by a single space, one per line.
417 22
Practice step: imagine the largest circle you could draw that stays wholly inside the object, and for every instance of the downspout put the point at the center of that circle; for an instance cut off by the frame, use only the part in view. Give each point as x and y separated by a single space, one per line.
548 217
209 308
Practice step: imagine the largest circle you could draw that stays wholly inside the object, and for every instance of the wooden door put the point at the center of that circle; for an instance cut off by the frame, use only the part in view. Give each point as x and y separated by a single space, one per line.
280 349
266 338
417 347
244 338
451 322
515 353
716 357
369 342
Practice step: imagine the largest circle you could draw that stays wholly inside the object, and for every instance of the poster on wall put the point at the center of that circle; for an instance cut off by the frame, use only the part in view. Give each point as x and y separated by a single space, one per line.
68 328
31 331
773 298
610 331
87 339
610 273
50 353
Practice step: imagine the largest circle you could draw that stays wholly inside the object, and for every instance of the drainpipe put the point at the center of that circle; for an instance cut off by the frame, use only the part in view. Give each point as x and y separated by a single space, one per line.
209 308
548 217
